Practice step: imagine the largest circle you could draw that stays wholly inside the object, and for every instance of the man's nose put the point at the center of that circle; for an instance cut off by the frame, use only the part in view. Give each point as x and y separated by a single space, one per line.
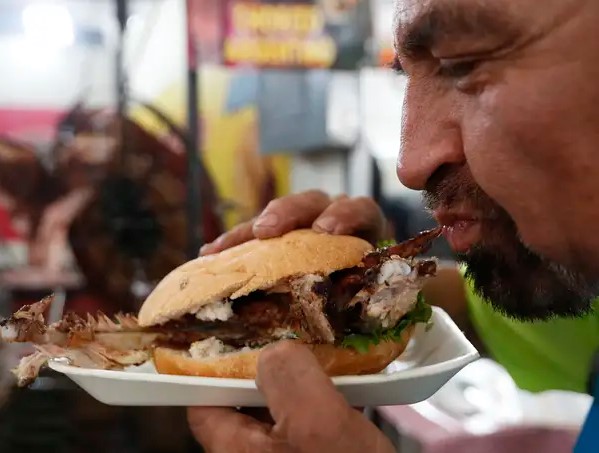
431 138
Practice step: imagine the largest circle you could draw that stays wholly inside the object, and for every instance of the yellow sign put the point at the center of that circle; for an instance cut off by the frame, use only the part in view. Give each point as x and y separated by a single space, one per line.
277 35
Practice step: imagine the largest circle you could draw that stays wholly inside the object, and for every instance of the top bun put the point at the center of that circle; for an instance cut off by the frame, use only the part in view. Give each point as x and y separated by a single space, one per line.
252 266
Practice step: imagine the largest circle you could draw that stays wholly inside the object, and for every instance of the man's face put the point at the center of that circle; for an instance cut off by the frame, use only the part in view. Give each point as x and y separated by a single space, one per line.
501 130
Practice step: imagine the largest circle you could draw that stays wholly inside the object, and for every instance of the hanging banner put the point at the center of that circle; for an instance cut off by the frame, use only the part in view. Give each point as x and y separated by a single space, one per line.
282 34
277 35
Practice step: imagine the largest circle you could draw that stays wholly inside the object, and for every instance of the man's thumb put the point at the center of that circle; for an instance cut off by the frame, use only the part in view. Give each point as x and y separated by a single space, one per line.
293 382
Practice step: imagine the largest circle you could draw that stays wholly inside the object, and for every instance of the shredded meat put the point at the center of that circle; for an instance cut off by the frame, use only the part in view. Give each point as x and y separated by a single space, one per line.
389 297
345 284
426 268
263 310
256 316
312 305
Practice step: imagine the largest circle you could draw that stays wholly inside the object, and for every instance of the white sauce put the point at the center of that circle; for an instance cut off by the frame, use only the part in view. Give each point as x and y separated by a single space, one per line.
216 311
393 295
8 333
209 348
392 269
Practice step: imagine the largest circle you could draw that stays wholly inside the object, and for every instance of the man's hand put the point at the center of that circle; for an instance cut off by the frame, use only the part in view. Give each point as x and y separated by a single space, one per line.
314 209
309 414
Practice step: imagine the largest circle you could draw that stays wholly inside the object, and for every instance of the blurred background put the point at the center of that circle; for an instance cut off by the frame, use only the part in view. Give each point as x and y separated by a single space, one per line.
133 131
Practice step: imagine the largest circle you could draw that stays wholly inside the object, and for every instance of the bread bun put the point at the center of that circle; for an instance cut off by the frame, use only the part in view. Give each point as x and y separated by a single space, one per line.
252 266
335 360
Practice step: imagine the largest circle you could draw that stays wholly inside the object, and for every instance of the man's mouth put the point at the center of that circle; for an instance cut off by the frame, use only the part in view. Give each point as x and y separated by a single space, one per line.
461 229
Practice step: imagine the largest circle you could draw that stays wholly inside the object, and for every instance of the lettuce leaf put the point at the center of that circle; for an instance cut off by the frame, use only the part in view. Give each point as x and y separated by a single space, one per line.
385 243
421 313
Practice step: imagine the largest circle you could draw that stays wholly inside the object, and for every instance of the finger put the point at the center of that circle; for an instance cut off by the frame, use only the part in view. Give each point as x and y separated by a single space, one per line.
237 235
289 213
226 430
296 388
258 413
355 216
342 196
280 216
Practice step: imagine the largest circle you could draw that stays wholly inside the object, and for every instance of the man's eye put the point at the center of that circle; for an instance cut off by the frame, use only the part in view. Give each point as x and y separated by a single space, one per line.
456 69
396 66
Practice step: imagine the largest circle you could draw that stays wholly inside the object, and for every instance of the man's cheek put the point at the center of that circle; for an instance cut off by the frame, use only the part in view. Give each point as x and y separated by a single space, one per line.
493 137
487 147
496 152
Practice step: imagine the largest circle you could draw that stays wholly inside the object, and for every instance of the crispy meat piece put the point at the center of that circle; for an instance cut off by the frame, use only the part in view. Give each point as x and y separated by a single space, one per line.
415 246
29 368
26 324
92 343
407 249
73 323
91 355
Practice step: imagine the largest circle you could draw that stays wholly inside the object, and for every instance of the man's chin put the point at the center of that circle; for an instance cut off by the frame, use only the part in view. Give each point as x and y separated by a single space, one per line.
524 286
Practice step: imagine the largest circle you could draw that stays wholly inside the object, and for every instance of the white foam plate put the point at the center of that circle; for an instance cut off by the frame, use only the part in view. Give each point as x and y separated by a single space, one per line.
429 361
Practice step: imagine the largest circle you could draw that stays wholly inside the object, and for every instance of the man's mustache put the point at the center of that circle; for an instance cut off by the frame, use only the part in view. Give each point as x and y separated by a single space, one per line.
453 186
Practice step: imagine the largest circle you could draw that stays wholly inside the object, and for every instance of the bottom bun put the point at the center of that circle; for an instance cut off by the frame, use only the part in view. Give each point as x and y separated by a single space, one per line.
335 360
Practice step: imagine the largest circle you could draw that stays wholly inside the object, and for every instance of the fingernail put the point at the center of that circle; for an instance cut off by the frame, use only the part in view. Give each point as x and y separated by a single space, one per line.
204 248
266 221
326 224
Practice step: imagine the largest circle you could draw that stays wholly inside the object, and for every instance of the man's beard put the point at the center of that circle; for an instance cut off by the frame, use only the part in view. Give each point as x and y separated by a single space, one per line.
515 280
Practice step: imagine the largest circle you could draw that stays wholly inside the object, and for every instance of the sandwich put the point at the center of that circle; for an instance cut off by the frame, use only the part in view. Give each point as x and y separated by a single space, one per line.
355 306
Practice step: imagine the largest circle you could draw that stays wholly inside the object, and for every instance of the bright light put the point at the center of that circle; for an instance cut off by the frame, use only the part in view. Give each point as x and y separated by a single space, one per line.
48 25
134 21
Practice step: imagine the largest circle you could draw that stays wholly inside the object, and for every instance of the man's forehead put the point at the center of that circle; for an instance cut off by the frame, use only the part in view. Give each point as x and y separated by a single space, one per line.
406 11
425 20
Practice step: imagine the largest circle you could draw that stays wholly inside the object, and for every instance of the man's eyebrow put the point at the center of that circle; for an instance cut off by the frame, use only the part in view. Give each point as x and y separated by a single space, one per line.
444 21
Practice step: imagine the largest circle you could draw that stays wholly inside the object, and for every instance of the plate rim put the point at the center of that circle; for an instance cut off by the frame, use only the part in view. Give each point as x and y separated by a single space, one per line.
455 363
